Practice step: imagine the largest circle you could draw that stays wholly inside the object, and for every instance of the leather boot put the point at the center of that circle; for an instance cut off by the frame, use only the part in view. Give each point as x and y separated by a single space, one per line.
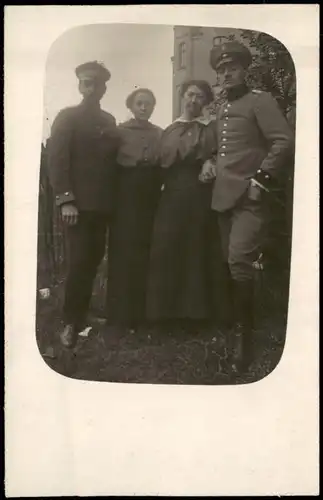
225 301
241 338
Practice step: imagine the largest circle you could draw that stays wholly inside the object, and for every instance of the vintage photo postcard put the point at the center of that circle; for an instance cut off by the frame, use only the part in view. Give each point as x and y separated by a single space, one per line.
161 250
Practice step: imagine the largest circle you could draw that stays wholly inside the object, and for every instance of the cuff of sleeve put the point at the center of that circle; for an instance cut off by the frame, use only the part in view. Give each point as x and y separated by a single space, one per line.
66 197
263 178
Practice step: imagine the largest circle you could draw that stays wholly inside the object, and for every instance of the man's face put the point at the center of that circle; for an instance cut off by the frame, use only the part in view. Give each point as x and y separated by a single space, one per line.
92 89
231 74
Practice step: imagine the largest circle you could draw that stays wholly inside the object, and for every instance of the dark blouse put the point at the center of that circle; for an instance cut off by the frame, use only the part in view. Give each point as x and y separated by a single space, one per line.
139 142
185 140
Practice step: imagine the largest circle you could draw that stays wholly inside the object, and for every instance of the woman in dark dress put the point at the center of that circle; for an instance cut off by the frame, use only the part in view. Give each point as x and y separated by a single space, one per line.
138 193
179 281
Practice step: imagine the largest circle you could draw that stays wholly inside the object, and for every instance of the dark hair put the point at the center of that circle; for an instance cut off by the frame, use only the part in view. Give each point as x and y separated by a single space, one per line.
202 85
131 97
102 71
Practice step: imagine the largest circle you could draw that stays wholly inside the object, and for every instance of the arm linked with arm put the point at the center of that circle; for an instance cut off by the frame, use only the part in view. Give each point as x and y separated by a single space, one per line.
208 171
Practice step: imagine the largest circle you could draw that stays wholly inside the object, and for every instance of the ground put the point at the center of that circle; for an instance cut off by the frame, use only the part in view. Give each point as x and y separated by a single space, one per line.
146 357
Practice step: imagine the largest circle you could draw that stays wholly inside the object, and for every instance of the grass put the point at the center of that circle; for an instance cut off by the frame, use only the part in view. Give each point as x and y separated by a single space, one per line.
112 355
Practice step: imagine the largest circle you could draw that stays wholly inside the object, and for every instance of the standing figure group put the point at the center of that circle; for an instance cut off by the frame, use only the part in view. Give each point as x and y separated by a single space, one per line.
184 206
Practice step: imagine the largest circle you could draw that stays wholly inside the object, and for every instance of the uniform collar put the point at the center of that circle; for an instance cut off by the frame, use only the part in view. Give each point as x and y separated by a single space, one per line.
237 92
90 106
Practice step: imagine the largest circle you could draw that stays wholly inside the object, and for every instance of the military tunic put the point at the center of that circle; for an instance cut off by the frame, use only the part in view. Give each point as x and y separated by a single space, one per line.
138 193
82 152
252 135
82 169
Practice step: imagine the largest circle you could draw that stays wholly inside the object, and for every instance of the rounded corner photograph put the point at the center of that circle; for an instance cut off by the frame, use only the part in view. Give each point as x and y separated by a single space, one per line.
165 206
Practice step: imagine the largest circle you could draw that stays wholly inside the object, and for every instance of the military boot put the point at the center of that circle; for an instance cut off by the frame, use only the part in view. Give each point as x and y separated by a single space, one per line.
241 335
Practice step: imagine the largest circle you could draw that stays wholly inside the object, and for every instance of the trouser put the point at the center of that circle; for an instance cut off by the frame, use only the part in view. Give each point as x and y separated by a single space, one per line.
85 247
242 233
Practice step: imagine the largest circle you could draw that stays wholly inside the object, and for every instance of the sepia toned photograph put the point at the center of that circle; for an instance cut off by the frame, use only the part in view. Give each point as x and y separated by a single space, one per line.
165 204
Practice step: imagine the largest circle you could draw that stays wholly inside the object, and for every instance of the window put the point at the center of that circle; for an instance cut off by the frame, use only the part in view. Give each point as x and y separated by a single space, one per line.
179 101
182 55
196 31
219 40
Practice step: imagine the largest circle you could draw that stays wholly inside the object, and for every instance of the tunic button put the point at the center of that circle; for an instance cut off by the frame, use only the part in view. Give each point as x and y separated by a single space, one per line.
223 147
227 118
225 124
224 139
229 105
67 193
224 132
222 154
190 133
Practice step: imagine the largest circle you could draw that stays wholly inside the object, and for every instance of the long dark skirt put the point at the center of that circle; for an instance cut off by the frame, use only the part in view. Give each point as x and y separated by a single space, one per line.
185 254
129 244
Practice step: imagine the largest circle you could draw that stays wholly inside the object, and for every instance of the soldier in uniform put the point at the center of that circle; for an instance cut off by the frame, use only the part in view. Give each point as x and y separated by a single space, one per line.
82 169
254 141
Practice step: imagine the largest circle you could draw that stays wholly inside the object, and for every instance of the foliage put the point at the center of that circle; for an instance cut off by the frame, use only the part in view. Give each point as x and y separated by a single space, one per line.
272 70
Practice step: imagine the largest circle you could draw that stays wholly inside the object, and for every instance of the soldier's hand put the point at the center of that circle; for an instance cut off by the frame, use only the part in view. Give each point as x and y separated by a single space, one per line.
254 191
69 214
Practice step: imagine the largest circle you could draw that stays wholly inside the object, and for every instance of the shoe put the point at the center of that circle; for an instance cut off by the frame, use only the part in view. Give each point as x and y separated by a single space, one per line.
68 336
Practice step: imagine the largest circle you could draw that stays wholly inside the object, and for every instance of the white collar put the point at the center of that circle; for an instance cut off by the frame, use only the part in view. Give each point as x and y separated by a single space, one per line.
199 119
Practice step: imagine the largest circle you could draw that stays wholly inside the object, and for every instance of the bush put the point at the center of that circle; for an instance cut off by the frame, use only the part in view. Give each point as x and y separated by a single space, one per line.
272 69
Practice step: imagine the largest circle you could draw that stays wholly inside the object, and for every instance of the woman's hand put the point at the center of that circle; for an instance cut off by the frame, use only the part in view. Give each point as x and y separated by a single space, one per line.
208 172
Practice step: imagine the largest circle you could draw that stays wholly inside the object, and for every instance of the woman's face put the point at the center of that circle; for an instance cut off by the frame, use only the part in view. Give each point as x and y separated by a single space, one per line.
142 106
194 100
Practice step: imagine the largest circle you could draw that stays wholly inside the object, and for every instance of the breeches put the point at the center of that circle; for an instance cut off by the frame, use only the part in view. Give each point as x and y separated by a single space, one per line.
242 233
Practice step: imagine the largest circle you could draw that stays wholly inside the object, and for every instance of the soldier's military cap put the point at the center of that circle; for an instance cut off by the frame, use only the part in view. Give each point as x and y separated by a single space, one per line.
231 51
92 70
